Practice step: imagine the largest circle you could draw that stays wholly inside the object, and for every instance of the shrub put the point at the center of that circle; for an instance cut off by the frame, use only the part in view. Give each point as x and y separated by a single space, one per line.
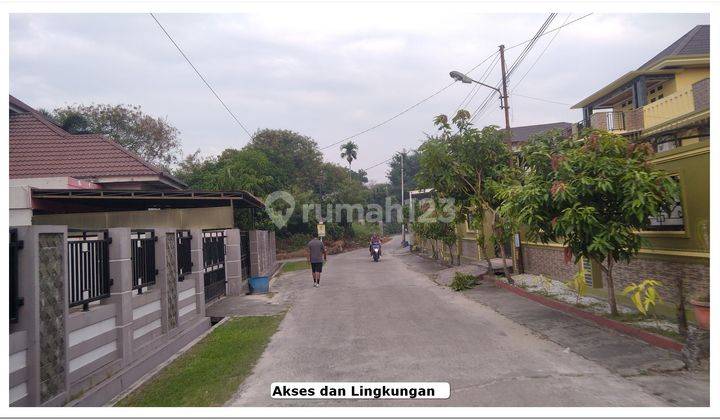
577 285
463 281
645 296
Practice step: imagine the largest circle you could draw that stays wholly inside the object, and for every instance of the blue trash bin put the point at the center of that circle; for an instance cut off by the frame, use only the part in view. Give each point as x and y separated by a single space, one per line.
259 284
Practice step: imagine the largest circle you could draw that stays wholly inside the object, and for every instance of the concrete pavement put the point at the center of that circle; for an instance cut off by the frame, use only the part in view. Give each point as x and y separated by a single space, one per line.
384 322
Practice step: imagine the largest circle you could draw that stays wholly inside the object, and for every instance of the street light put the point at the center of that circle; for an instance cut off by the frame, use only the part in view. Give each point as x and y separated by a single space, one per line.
461 77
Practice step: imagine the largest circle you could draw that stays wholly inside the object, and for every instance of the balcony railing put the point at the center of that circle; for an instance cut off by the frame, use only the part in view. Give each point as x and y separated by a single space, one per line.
668 108
618 121
653 114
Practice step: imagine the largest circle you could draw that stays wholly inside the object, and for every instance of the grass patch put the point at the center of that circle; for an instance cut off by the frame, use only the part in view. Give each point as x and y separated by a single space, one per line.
210 372
294 266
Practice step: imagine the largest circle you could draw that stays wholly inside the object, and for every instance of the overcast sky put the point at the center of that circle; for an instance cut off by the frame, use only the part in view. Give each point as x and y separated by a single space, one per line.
325 78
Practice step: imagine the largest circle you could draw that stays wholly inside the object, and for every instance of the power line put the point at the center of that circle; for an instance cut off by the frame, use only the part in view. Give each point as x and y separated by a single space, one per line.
541 99
550 31
476 87
379 163
405 111
539 56
201 76
521 57
489 97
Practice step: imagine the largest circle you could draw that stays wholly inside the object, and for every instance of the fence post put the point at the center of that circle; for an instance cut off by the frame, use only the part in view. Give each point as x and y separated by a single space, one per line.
28 316
161 276
121 289
43 286
196 253
233 265
255 268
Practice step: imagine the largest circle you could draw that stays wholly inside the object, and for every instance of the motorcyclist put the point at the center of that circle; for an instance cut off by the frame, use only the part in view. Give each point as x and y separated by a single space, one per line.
375 240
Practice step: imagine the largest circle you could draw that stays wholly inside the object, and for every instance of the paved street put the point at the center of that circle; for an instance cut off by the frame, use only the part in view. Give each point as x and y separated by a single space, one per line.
384 322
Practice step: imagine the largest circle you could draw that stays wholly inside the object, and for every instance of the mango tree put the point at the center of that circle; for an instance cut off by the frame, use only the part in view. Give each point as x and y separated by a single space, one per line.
468 165
591 195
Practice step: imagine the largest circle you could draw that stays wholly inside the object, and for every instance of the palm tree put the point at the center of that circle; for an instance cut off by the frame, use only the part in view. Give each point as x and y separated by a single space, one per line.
349 152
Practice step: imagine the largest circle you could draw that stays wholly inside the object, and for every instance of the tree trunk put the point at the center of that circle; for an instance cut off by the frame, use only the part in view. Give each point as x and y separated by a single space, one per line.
452 259
611 287
500 233
481 246
505 266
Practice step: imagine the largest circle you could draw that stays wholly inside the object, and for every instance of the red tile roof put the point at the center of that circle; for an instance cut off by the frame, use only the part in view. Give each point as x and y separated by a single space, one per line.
39 148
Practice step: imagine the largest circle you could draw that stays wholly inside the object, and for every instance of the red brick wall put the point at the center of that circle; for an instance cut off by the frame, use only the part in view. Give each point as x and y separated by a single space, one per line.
550 262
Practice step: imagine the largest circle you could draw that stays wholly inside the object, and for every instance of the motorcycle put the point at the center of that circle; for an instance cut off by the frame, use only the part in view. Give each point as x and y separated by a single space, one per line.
375 251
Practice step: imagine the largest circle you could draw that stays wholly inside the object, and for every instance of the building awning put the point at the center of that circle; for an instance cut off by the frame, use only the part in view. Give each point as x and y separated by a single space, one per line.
53 201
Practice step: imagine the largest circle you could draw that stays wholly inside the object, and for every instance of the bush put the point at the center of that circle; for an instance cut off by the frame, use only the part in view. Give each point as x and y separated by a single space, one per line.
463 281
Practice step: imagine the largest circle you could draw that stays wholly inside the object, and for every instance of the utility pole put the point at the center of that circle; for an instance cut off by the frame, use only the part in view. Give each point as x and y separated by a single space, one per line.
506 107
516 250
402 191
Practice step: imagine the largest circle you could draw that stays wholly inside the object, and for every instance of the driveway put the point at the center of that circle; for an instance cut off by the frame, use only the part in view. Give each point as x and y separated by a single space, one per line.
383 322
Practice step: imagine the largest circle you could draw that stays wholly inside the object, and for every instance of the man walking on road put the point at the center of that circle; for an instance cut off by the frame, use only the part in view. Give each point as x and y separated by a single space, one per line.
316 255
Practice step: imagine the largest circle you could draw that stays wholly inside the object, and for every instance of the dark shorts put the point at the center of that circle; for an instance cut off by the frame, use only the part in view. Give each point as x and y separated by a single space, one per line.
316 267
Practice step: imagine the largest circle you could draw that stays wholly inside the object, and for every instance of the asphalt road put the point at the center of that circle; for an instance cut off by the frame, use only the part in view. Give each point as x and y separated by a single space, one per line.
382 322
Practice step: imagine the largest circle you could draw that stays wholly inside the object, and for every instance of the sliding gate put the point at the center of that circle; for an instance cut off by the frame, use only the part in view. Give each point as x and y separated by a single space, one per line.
214 263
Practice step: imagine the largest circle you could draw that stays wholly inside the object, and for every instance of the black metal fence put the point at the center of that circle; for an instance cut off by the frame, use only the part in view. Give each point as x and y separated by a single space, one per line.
245 255
88 267
214 263
142 242
15 300
184 254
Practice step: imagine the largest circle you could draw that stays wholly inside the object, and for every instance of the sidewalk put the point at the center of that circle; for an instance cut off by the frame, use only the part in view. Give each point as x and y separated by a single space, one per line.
658 371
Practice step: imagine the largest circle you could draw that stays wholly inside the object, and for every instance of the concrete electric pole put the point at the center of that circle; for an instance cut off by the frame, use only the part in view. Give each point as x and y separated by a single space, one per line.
402 191
506 107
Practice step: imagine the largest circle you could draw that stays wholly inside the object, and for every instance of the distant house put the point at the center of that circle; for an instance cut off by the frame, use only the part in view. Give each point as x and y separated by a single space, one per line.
49 165
112 262
665 102
43 154
520 135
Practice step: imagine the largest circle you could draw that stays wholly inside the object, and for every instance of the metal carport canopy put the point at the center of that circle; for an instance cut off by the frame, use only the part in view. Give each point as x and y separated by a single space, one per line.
49 201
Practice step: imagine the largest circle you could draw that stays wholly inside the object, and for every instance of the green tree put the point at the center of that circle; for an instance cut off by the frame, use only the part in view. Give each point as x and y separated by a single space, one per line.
592 196
471 166
152 138
294 158
411 166
349 152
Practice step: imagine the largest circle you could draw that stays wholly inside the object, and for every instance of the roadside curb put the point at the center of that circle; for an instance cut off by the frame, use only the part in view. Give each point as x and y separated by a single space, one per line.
653 339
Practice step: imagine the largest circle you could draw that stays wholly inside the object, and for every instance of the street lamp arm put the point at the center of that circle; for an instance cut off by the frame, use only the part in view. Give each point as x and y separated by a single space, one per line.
491 87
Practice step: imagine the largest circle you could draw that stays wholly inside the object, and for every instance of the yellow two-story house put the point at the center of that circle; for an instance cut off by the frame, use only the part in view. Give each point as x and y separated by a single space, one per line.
665 102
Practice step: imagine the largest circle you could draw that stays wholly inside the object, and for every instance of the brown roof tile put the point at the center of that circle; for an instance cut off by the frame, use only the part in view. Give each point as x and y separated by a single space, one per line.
39 148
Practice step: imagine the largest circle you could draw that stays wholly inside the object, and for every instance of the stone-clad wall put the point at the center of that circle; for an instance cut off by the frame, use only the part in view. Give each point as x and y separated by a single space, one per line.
549 261
67 356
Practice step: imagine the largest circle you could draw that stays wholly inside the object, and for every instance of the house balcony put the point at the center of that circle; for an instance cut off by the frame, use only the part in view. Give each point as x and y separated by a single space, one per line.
618 121
670 110
677 105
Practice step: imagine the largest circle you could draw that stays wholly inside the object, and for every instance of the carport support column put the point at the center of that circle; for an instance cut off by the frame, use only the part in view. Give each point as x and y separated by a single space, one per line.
233 269
198 272
121 289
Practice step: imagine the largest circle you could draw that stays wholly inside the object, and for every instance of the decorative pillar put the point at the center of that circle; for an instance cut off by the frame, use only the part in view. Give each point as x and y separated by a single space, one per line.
198 271
161 281
233 266
121 289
